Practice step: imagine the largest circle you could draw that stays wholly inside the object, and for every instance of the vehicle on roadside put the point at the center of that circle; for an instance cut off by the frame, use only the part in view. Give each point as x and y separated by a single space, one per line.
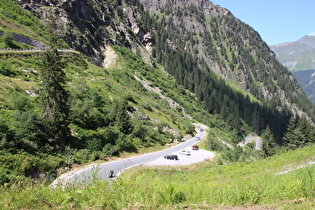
185 152
171 157
195 147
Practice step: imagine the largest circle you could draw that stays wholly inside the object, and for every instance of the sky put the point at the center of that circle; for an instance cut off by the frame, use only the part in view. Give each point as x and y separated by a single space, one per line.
277 21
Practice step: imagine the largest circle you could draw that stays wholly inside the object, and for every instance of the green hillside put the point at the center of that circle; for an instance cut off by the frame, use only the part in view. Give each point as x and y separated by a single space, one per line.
127 106
96 95
135 82
283 181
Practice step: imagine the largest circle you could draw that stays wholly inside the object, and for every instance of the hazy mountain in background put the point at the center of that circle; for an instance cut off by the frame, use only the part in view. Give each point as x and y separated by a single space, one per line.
299 56
307 80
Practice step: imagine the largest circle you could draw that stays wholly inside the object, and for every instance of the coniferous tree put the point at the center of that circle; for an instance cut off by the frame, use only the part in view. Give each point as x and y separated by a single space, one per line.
268 145
305 129
289 137
123 118
53 93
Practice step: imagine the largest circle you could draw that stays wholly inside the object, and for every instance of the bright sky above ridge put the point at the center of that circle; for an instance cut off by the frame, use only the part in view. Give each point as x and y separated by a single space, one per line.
277 21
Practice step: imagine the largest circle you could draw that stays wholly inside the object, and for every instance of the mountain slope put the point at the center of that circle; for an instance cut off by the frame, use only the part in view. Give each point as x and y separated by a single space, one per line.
198 41
299 56
135 83
307 80
136 80
203 46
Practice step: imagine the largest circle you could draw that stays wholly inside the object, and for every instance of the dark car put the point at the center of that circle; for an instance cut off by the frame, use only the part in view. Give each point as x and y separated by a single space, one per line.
195 147
171 157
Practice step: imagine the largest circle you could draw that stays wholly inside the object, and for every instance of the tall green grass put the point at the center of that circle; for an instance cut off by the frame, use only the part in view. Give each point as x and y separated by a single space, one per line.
204 185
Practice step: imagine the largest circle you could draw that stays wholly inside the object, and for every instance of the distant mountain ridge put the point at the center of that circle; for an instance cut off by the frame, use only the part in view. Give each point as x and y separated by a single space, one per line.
299 57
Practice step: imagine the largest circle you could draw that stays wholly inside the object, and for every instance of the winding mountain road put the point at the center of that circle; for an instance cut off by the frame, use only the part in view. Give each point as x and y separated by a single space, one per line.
86 175
250 138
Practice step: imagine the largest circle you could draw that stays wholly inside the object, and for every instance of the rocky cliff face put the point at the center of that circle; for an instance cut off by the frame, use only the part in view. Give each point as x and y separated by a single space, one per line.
89 26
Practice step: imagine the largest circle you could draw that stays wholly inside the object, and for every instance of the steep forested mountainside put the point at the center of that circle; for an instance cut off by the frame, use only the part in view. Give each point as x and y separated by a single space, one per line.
204 47
201 44
307 80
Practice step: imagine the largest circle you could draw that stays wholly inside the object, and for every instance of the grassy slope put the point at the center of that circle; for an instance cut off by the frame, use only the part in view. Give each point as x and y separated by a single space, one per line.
237 184
14 19
199 186
114 83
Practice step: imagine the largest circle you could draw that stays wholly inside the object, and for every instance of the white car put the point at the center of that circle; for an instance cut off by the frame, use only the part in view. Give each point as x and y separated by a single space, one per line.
184 152
197 138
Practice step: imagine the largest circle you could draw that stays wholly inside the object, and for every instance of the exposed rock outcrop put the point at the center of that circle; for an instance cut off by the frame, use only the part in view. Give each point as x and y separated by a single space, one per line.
89 26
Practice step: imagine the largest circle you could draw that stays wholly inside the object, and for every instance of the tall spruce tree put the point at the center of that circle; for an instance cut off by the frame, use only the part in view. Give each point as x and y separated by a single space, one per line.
305 129
123 118
289 137
53 93
268 145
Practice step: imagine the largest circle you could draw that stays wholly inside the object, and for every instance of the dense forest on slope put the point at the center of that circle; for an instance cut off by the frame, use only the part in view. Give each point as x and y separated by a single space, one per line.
227 65
152 78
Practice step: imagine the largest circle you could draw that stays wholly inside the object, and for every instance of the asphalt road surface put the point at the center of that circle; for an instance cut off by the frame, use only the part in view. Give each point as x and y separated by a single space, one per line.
250 138
87 174
195 157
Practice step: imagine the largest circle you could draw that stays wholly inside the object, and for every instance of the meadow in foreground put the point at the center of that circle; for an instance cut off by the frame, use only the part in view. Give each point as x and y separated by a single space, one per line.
278 182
